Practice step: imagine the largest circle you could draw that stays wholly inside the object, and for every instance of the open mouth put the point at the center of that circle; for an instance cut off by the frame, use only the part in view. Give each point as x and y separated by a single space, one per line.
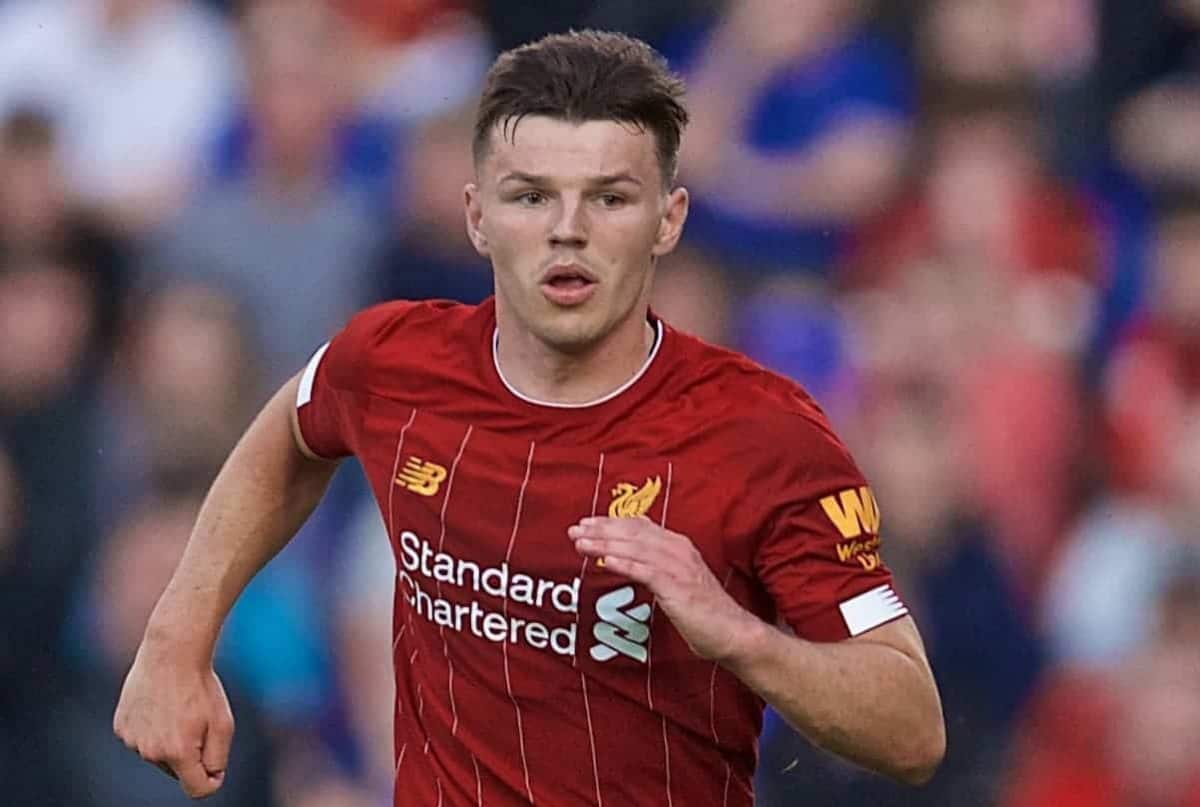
568 285
569 282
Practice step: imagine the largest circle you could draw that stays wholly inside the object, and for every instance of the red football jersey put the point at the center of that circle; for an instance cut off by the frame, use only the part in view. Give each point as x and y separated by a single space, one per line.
524 673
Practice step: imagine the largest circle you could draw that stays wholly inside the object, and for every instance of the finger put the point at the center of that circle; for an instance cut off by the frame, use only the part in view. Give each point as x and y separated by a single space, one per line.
640 564
670 556
616 547
635 570
127 738
622 527
609 531
165 768
194 780
633 529
217 740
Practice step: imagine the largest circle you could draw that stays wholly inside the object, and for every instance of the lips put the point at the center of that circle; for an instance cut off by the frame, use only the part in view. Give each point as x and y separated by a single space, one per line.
568 284
568 274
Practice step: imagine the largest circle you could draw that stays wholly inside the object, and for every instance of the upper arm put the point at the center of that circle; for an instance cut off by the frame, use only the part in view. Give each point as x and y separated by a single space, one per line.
820 555
901 635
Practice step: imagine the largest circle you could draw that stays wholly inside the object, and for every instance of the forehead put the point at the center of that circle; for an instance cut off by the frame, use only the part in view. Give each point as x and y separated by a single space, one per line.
566 151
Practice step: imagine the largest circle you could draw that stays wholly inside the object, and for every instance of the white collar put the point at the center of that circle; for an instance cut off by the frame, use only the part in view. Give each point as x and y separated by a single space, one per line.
658 340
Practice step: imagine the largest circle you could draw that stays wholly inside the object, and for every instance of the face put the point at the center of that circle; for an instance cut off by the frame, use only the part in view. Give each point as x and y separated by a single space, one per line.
572 217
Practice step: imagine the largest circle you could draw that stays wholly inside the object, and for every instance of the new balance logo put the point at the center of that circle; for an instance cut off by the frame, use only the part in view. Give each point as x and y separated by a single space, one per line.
420 476
619 631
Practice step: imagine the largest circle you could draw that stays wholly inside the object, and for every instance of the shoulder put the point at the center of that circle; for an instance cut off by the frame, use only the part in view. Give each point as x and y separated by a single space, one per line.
376 324
399 333
764 415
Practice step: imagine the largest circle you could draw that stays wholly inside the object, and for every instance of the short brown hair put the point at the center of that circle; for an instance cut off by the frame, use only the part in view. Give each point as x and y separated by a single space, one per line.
585 76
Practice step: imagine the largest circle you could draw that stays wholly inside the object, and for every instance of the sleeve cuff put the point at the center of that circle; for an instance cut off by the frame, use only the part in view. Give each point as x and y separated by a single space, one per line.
304 392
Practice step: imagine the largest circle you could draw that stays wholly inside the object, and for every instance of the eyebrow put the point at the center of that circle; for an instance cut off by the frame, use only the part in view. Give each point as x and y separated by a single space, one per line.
601 181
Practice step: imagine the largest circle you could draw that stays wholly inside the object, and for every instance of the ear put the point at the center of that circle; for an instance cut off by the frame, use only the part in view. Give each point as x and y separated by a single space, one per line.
670 226
473 209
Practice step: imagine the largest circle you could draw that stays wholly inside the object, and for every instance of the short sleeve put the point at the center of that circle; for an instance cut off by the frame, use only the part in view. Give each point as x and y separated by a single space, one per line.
330 389
319 407
820 558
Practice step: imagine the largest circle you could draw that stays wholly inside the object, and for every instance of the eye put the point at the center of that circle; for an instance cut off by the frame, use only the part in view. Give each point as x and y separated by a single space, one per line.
611 199
531 198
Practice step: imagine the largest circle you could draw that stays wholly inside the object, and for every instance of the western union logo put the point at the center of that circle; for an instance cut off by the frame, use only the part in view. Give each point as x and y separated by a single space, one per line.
865 552
630 501
421 477
853 512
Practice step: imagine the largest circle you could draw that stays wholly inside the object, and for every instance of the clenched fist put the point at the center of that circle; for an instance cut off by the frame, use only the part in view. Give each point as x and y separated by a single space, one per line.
174 713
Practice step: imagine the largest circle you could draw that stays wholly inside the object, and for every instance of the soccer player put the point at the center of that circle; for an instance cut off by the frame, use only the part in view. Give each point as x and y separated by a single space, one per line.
614 543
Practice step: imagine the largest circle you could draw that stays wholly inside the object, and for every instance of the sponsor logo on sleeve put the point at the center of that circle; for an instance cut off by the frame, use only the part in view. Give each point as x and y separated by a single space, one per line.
855 514
421 477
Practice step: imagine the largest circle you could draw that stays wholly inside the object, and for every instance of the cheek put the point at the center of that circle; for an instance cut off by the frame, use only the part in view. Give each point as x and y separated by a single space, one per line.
512 238
632 246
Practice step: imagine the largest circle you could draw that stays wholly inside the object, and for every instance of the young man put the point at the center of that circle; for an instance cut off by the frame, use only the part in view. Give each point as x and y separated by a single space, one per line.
597 521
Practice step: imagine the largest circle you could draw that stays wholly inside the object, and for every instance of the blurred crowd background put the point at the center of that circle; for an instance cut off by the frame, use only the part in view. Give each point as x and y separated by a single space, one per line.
970 227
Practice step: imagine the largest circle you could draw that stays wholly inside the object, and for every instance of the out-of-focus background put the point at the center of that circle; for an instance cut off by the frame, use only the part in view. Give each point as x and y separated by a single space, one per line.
970 227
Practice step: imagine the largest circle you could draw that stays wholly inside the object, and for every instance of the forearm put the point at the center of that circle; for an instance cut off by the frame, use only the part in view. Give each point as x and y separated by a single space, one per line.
868 701
262 496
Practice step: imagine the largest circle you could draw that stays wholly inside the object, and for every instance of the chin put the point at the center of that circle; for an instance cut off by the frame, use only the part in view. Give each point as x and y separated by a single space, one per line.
571 334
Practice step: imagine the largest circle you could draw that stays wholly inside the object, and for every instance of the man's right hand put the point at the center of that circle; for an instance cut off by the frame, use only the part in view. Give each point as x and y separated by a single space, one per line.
174 714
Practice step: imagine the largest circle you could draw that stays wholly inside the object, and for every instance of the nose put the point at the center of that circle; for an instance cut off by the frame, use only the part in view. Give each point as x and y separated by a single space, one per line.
569 227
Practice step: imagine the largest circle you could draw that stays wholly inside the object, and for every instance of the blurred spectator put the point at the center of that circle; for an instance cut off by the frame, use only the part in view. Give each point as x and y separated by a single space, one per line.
429 255
290 240
796 327
799 129
185 390
47 315
1128 738
982 281
989 44
983 194
1100 619
1155 135
1152 84
692 293
34 198
38 217
416 58
1153 381
366 585
136 85
1140 540
46 322
515 22
1048 47
299 60
91 767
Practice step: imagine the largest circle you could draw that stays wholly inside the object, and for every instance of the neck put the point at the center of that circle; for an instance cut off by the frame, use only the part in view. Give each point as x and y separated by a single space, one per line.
543 373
